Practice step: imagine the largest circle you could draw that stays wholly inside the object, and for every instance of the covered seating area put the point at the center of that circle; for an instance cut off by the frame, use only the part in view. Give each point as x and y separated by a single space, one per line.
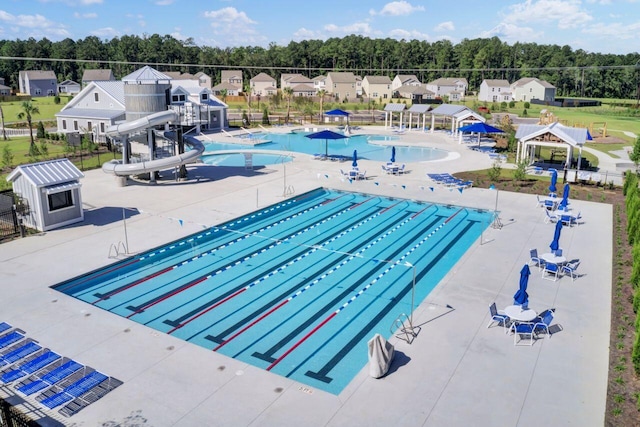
557 137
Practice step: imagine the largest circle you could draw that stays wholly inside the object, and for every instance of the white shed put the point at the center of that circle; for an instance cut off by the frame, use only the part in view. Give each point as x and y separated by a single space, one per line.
51 190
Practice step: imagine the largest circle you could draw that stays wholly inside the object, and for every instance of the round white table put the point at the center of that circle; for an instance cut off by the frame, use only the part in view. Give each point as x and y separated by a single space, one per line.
551 258
515 312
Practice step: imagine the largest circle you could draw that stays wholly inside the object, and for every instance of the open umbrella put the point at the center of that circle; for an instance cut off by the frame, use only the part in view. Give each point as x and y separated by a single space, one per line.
554 180
480 128
521 297
338 113
393 154
355 159
555 243
326 135
565 197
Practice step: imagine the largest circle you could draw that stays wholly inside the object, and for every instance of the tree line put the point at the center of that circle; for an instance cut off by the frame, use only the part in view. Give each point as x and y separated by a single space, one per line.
575 73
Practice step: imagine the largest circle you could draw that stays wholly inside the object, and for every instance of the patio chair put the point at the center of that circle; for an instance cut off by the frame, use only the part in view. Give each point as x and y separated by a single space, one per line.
550 218
532 330
535 259
550 205
540 202
566 220
498 316
362 175
551 272
401 170
558 252
570 269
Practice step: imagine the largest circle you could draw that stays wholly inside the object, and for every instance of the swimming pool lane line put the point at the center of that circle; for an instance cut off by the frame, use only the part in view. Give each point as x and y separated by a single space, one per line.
268 355
346 304
321 374
179 322
299 291
218 270
199 256
419 212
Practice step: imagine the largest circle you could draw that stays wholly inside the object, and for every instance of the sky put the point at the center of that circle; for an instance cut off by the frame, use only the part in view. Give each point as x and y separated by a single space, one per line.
603 26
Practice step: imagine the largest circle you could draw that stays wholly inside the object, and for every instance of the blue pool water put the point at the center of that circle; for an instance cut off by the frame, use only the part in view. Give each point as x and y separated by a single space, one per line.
368 147
297 288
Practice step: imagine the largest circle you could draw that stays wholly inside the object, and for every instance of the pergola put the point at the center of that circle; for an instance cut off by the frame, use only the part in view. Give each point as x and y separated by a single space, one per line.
389 109
463 118
420 110
554 135
449 111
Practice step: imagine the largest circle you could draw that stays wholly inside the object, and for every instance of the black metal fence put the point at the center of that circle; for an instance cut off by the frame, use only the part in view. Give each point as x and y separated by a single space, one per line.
9 223
11 417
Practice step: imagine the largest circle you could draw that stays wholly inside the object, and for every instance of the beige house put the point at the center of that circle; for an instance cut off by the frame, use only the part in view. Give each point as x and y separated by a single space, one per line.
453 87
342 85
377 87
231 89
495 91
529 88
320 83
303 90
293 80
404 80
204 80
263 85
233 77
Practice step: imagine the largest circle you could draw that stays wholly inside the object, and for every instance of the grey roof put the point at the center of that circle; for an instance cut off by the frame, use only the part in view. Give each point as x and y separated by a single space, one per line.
378 80
419 90
40 75
394 107
230 74
448 81
465 114
226 85
297 79
420 108
448 109
97 75
342 77
4 87
319 78
571 135
146 74
263 77
177 75
47 173
523 81
303 88
114 88
406 77
89 113
69 82
496 82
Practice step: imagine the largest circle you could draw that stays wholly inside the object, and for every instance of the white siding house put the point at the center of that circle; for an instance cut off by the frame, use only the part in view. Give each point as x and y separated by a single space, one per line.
495 91
529 88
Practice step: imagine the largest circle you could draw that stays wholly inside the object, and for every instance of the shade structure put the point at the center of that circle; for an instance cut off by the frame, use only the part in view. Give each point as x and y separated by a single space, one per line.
393 154
337 112
480 128
521 297
554 180
355 159
555 243
326 135
565 197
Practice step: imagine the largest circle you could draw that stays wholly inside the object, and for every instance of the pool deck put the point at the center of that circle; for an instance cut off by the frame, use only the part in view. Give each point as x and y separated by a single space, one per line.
456 372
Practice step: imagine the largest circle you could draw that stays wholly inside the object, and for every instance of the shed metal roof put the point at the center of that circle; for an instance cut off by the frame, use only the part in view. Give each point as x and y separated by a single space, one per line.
394 107
45 174
570 135
420 108
448 109
90 113
146 74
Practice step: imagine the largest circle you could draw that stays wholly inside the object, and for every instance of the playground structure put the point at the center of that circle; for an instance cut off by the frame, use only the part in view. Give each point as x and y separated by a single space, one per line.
595 128
123 133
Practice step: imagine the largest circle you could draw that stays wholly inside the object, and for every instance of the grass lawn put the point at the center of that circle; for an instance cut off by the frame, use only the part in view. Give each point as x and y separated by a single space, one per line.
46 105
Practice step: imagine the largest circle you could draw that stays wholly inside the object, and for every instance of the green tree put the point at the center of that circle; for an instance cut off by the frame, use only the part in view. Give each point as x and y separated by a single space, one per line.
265 116
634 155
40 133
520 172
288 93
495 171
7 156
28 111
223 95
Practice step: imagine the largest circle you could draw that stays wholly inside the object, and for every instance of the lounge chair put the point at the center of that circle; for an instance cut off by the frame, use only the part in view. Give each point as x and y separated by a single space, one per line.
76 389
498 316
535 259
40 361
4 327
570 269
58 373
551 272
18 353
10 338
94 394
362 175
531 330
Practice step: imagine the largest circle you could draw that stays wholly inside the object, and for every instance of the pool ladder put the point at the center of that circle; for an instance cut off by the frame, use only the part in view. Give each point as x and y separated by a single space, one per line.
288 191
405 328
117 249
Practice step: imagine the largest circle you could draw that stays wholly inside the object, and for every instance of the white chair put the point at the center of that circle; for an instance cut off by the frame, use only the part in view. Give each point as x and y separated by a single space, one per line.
551 272
535 259
498 316
540 202
550 218
570 269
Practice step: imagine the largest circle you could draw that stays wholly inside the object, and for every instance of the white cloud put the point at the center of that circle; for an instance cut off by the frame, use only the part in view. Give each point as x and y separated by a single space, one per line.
37 25
613 30
85 15
234 27
228 15
408 35
445 26
164 3
106 32
397 8
361 28
566 13
305 34
512 33
88 2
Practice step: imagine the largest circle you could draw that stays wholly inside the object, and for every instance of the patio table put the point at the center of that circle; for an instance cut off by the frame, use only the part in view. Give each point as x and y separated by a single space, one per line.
516 313
551 258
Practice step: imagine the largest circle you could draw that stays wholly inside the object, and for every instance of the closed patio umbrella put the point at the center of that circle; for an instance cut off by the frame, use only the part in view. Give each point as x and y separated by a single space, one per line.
393 154
521 297
555 243
355 159
565 197
554 180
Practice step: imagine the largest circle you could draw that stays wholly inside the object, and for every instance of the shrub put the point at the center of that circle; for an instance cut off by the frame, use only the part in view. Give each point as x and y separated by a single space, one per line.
40 133
265 116
527 105
524 113
520 172
635 353
7 156
495 171
512 104
56 99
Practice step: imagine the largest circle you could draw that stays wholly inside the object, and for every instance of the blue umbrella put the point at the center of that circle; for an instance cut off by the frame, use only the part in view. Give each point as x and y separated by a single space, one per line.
355 159
555 244
554 179
326 135
480 128
521 297
565 197
393 154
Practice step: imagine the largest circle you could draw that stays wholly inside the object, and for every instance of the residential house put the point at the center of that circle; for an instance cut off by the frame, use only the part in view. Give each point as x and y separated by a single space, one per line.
528 88
204 80
342 85
263 85
415 93
495 91
5 90
89 76
303 90
178 75
404 80
38 83
292 80
231 89
455 88
358 86
197 106
96 107
233 77
320 83
69 87
377 87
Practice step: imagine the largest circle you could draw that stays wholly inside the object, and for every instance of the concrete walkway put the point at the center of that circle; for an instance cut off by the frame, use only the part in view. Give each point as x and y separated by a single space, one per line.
457 372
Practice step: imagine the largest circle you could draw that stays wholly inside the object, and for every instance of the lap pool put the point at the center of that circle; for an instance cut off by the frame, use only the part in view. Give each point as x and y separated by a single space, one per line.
296 288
